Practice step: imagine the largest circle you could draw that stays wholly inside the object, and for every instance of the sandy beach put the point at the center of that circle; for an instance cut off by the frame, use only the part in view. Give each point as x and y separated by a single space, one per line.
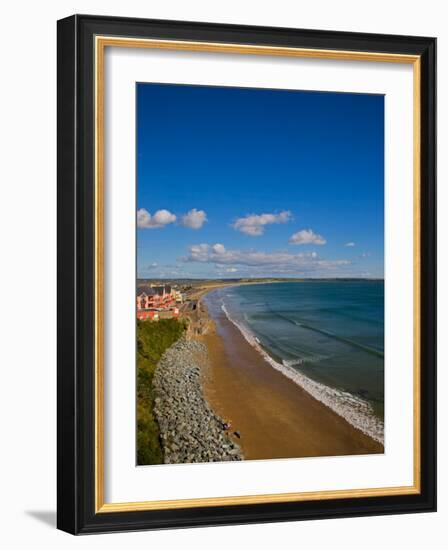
275 417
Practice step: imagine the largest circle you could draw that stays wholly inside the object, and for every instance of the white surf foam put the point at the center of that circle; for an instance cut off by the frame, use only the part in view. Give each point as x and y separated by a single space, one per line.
358 412
298 362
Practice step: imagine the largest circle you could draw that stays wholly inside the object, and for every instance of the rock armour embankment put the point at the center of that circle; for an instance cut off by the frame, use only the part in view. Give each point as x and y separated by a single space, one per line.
190 431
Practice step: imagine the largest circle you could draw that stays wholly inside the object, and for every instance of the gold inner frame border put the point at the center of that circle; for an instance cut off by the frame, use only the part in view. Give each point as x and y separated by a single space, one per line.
100 44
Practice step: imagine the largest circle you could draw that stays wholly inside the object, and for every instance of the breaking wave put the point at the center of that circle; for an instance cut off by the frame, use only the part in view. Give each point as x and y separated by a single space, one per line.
355 410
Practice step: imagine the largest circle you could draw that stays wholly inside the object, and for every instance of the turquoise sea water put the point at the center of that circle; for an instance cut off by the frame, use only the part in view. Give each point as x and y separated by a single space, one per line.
328 336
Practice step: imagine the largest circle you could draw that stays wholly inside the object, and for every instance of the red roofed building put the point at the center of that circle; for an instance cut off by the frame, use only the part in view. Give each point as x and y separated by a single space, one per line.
154 299
151 314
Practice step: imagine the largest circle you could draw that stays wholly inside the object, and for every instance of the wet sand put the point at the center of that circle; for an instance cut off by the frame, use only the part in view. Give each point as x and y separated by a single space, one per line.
275 417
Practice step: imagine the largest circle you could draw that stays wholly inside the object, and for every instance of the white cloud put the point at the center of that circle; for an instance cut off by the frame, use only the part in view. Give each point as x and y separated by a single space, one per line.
194 219
280 262
159 219
199 253
231 270
254 224
306 236
349 244
218 249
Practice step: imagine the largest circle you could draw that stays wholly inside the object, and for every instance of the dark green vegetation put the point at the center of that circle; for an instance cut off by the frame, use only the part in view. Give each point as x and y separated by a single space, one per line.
153 338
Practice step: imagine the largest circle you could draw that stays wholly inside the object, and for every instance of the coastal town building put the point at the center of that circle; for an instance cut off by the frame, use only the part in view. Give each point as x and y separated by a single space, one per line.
180 296
145 314
156 302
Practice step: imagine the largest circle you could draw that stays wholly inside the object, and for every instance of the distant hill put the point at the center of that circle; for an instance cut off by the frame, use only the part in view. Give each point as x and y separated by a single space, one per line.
141 282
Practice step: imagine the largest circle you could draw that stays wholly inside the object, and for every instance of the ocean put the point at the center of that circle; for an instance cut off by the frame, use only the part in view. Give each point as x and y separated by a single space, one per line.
327 336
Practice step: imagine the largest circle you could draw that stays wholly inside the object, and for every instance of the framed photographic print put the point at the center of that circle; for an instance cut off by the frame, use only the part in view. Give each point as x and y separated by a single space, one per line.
246 274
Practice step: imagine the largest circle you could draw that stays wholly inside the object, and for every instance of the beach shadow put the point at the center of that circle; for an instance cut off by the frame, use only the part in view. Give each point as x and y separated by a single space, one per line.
48 517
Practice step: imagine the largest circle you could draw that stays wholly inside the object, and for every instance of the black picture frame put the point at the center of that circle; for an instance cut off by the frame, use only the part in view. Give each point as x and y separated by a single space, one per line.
76 255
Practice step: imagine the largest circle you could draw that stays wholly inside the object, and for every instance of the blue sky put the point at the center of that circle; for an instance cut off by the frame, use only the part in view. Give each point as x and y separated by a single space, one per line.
241 182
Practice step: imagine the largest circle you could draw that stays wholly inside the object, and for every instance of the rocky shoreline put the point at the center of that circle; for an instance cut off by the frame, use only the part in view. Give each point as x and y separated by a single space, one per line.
190 431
